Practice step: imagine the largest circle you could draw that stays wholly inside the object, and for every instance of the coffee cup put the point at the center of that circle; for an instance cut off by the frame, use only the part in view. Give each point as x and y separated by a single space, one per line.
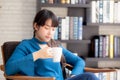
57 53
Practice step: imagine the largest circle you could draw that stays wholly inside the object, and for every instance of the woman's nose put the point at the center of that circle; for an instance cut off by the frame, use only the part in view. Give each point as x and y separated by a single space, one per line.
51 31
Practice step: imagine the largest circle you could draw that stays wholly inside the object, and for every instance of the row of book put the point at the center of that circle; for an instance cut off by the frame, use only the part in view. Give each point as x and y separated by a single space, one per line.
105 73
104 69
69 28
105 46
64 1
105 11
109 75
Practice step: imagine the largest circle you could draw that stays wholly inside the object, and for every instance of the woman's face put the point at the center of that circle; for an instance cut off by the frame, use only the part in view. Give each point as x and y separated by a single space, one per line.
46 32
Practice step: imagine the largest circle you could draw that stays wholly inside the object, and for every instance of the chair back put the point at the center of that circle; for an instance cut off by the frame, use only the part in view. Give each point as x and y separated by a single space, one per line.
7 49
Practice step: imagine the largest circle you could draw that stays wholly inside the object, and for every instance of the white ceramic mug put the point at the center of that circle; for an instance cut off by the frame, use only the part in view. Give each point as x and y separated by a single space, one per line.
57 53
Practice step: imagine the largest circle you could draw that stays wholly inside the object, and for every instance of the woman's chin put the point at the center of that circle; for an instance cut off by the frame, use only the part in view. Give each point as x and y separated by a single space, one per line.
47 40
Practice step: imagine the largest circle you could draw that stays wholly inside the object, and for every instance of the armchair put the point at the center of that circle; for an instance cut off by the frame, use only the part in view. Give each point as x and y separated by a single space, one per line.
8 48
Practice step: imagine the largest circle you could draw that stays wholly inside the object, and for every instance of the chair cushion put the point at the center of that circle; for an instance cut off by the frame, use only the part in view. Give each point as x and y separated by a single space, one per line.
8 48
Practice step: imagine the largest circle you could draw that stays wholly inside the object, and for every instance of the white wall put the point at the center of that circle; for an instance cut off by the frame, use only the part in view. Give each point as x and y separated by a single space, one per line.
16 18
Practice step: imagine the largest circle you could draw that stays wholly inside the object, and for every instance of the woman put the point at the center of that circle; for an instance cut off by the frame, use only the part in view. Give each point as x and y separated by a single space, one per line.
31 56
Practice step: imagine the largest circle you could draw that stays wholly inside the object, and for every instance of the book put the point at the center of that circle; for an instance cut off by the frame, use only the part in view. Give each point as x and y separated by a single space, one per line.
100 11
59 27
67 18
100 46
75 28
71 28
63 1
109 75
80 28
92 14
94 47
111 49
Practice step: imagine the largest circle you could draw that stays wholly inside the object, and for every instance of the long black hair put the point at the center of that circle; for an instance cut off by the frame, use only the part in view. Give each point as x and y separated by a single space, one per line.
42 16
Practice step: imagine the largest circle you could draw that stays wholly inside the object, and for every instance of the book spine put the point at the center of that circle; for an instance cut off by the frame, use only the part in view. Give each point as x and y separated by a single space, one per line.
107 46
84 1
105 11
97 12
67 28
80 28
43 1
75 27
115 12
67 1
100 11
63 25
93 12
111 11
111 54
118 15
63 1
56 34
100 46
104 46
50 1
59 27
96 47
72 1
71 28
115 46
118 46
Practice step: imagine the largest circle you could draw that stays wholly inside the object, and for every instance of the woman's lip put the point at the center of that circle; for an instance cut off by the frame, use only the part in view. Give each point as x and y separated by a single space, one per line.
47 37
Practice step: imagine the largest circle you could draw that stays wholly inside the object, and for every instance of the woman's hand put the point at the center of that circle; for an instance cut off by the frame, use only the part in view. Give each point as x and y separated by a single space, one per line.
42 53
72 75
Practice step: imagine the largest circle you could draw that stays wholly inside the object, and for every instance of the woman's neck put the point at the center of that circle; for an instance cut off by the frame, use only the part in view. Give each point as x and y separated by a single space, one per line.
39 41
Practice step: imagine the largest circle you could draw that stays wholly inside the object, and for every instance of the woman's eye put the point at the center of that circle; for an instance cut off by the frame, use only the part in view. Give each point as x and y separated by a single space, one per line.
46 27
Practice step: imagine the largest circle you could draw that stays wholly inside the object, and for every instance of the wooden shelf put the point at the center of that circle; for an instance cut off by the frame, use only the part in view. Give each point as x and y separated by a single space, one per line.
65 5
96 70
103 59
75 41
103 24
102 62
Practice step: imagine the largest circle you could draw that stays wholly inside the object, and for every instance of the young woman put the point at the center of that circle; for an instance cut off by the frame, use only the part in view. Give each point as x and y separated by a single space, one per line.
31 56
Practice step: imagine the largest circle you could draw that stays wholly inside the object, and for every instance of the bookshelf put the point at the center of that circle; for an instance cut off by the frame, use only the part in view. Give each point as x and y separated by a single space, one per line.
82 47
65 5
75 41
75 10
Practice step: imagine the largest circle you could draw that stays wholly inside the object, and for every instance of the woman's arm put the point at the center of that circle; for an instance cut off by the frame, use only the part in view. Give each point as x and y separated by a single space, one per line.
77 62
20 61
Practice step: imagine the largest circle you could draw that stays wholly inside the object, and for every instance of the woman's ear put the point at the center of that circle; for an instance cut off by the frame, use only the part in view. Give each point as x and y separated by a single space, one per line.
35 26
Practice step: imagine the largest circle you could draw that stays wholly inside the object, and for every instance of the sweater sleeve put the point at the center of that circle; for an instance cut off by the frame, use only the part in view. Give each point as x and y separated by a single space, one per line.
77 62
21 61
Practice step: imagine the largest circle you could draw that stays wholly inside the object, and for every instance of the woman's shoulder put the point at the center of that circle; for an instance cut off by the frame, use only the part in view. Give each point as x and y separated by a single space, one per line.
25 42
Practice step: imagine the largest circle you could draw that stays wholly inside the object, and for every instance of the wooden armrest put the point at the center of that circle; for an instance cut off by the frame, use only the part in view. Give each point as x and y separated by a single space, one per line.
2 67
95 70
20 77
68 66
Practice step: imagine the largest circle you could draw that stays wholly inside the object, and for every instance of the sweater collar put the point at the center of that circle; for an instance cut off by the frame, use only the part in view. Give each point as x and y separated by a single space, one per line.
38 41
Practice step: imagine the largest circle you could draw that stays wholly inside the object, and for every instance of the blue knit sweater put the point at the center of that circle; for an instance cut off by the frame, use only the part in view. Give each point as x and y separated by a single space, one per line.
22 62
